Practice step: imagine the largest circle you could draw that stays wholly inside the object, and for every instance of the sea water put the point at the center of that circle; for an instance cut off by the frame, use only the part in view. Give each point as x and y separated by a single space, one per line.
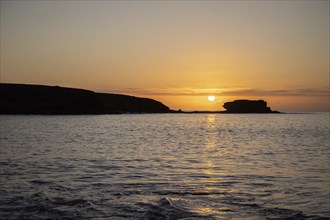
165 166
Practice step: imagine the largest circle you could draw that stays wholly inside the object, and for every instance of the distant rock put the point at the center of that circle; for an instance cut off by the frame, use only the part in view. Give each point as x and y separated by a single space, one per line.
247 106
40 99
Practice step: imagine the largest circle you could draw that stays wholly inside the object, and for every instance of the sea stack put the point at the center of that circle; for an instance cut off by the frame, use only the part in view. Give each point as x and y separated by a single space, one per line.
247 106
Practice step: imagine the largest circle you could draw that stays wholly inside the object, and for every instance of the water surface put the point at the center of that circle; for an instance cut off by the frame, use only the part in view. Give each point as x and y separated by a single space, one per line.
165 166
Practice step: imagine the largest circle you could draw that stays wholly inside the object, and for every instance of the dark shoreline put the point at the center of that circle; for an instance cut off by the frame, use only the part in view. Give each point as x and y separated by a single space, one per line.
161 113
224 112
26 99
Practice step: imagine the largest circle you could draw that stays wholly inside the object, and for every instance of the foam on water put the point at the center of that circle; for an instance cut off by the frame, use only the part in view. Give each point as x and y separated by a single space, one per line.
166 166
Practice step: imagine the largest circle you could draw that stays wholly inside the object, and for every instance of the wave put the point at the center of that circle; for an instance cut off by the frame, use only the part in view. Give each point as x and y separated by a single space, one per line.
171 209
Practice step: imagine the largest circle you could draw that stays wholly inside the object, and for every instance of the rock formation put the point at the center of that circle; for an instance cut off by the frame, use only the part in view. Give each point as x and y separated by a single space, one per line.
247 106
39 99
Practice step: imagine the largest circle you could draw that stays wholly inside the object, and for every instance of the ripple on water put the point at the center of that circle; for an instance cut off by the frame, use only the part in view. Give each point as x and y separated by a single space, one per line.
165 167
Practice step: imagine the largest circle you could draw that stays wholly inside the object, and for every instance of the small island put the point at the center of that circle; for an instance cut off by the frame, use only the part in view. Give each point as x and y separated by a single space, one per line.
247 106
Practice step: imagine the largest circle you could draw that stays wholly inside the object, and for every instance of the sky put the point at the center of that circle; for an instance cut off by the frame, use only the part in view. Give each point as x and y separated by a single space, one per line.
177 52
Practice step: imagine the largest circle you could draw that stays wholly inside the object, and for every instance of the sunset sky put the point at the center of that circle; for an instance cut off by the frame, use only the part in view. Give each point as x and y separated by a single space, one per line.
177 52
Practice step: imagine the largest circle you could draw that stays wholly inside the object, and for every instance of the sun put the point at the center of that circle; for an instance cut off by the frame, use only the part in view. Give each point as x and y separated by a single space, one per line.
211 98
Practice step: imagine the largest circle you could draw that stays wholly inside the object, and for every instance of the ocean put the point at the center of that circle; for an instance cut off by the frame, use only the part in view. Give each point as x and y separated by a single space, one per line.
165 166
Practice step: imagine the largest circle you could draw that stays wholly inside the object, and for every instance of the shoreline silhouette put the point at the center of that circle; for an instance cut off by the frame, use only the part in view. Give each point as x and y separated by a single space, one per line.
18 99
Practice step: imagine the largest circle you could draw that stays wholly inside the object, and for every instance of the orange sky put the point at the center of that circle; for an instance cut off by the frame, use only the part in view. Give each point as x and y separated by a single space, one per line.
178 52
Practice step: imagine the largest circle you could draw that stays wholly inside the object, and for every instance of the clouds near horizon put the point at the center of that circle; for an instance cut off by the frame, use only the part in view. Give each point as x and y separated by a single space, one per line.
266 49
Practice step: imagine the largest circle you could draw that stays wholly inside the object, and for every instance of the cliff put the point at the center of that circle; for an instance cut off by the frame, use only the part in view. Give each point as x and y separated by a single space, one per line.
40 99
247 106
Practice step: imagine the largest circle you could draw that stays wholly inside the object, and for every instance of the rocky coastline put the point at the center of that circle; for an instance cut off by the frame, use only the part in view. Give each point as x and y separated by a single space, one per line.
18 99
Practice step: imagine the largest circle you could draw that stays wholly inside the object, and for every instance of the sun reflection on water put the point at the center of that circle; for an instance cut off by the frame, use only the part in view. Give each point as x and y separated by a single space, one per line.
210 148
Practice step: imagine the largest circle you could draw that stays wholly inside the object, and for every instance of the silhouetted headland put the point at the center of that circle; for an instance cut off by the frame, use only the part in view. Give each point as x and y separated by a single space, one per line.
41 99
55 100
247 106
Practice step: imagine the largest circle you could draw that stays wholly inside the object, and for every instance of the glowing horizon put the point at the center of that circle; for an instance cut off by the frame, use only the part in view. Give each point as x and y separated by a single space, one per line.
176 52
